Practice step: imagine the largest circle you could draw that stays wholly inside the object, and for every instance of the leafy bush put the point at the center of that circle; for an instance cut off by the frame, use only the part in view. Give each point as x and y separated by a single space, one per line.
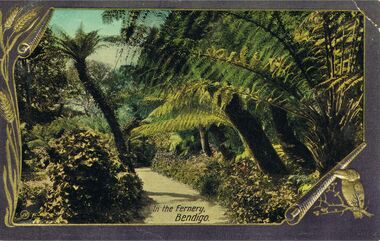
32 196
40 134
143 151
94 122
249 195
210 182
89 183
184 143
196 171
36 142
253 197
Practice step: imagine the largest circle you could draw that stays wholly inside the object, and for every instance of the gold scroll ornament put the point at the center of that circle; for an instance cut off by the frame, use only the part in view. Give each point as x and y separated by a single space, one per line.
296 212
21 28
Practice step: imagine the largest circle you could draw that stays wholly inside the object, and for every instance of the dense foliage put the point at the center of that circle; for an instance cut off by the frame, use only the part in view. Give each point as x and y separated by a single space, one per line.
305 67
72 175
41 83
81 168
249 195
247 107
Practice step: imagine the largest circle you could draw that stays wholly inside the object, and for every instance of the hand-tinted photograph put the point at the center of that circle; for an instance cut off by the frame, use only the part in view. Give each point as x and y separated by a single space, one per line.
188 117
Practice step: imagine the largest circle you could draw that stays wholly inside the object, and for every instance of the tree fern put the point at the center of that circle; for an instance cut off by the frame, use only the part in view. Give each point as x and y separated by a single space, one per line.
182 121
306 63
319 62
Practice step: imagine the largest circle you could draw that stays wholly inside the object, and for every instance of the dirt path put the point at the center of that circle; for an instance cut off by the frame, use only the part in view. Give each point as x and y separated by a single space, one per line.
188 206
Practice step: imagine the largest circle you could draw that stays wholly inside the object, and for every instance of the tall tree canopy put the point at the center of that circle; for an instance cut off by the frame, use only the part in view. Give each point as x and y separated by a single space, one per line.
78 48
303 67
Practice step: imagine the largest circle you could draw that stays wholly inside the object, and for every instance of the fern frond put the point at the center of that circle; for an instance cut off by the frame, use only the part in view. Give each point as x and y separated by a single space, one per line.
184 96
183 121
276 72
342 83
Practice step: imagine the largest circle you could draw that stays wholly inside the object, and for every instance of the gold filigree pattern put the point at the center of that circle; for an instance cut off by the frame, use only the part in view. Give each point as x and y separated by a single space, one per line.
20 33
296 212
5 108
13 45
334 201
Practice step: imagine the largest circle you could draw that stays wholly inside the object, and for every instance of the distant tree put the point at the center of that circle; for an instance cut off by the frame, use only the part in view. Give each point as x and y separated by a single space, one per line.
169 64
40 81
78 48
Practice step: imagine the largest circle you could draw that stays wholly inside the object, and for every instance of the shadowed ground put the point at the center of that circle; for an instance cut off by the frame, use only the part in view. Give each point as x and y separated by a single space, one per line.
166 191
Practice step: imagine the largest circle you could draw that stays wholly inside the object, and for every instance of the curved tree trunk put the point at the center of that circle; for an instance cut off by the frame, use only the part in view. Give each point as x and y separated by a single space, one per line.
294 148
255 138
220 139
108 113
204 141
135 122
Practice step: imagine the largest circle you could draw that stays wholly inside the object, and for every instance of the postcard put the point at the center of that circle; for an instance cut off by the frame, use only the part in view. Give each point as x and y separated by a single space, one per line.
190 120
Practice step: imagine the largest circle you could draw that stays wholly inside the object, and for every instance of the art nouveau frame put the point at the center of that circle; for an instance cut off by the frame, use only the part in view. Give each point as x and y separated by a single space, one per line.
21 44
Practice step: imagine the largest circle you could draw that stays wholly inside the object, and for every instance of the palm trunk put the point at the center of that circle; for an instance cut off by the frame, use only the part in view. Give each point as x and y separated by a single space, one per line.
108 113
204 141
292 146
220 139
255 138
127 131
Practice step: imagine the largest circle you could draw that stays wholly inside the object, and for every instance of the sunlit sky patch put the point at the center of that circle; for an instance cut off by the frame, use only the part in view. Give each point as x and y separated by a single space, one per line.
69 20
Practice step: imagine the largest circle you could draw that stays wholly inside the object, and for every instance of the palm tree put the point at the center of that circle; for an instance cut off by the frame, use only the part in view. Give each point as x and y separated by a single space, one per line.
198 105
309 76
78 49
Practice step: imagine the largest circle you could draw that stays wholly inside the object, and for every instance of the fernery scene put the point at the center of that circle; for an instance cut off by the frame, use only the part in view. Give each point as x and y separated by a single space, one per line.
240 113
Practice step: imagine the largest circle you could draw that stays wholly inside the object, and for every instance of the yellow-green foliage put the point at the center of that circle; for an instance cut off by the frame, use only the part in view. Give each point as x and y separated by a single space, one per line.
89 183
314 71
248 195
183 121
200 172
252 197
275 66
190 107
343 43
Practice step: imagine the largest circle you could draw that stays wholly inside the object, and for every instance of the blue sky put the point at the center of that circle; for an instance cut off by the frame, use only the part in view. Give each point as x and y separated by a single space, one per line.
68 20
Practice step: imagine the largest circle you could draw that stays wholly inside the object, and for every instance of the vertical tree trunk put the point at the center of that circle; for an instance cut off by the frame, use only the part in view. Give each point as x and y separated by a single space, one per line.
255 138
27 73
204 141
292 146
135 122
108 113
220 139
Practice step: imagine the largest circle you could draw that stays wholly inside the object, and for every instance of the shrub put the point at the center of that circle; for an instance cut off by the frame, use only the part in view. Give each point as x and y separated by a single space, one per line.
31 197
200 172
253 197
249 195
184 143
36 142
143 151
89 183
94 122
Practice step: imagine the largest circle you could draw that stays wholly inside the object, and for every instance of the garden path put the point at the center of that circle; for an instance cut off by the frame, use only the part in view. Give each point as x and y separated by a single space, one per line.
171 193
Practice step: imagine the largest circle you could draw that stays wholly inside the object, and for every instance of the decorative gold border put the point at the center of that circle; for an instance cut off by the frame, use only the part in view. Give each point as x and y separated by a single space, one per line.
25 21
295 213
18 23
